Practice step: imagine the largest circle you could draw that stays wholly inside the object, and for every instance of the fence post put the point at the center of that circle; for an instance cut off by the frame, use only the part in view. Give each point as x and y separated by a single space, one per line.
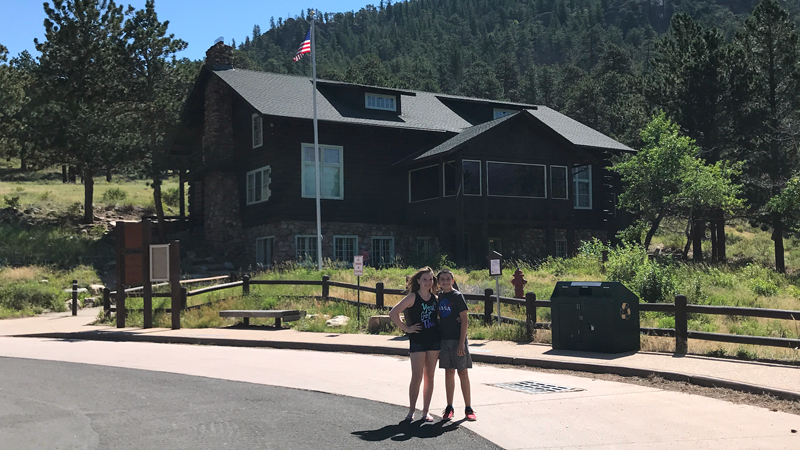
184 297
120 306
246 284
106 302
530 315
175 283
488 306
681 327
325 287
379 295
74 297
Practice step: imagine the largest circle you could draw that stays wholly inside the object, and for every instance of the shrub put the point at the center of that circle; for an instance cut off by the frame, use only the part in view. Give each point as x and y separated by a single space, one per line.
655 283
625 261
764 288
171 197
31 295
114 195
12 201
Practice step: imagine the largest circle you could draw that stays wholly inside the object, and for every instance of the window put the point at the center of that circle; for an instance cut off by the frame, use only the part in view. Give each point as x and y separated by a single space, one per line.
471 171
498 112
496 245
425 246
380 101
382 250
344 248
561 248
558 182
516 180
423 184
306 246
582 187
330 168
264 246
258 185
258 131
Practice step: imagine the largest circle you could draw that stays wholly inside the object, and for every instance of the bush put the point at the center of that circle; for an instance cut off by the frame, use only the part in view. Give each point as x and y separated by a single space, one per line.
655 283
31 295
114 195
764 288
12 201
171 197
625 262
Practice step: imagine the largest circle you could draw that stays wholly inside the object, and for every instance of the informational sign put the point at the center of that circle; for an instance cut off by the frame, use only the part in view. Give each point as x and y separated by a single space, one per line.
494 267
159 262
358 266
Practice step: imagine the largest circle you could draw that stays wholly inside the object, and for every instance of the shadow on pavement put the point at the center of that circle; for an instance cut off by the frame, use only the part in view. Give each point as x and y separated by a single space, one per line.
405 430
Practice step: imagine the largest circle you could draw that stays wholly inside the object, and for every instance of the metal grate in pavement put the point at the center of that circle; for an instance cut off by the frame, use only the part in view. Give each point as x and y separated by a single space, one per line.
534 387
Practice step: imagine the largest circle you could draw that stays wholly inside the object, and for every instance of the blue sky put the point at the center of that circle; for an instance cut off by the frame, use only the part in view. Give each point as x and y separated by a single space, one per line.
198 22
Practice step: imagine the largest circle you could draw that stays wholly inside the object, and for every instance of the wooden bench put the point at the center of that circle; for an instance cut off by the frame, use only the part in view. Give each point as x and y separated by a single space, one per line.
288 315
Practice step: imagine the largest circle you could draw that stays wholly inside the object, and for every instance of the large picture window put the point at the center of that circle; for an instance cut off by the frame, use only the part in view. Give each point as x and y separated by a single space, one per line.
582 187
306 248
382 250
516 180
471 171
558 182
423 184
258 185
331 168
344 248
264 247
258 131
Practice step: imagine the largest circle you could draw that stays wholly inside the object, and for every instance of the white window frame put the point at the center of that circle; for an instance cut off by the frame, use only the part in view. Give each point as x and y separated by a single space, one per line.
310 249
501 112
375 105
557 252
480 172
265 260
258 130
409 185
339 238
322 164
575 190
374 258
566 183
266 179
488 180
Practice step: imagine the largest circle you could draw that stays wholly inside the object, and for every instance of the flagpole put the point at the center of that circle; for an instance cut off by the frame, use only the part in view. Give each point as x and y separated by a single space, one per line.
316 146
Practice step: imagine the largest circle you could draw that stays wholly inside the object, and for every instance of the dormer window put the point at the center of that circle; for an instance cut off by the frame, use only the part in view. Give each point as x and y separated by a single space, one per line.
498 112
380 101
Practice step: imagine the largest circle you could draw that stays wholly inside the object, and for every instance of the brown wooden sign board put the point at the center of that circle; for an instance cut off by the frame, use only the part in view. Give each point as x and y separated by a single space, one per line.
133 269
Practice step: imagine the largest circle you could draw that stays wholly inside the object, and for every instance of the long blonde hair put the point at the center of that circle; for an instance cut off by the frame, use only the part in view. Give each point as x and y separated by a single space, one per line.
412 282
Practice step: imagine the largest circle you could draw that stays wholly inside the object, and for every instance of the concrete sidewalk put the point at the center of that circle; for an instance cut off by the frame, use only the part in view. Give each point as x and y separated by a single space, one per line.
779 380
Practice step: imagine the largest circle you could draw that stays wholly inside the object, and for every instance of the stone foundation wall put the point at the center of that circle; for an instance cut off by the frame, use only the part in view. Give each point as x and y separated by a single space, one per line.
587 235
285 249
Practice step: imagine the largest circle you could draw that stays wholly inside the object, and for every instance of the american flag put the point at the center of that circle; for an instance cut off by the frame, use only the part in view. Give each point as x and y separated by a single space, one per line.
305 47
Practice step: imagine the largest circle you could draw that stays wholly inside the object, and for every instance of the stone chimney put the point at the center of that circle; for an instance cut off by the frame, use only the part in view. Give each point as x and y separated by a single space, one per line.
219 56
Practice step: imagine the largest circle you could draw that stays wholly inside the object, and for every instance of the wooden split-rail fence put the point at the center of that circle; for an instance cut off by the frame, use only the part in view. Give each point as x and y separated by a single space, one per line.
680 308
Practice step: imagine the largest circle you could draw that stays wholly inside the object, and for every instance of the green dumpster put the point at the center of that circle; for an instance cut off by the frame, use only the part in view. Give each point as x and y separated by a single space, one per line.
594 316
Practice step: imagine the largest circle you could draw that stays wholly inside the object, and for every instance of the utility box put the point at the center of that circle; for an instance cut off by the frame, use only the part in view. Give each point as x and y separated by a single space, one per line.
594 316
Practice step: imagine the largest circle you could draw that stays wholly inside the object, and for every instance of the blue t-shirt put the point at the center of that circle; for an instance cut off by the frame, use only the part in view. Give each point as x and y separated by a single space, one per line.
451 304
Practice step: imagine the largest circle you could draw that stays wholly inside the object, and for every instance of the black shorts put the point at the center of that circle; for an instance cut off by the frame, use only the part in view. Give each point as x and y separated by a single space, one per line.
415 347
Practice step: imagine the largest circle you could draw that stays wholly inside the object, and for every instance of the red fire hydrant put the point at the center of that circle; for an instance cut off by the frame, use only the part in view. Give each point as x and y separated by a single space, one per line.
519 282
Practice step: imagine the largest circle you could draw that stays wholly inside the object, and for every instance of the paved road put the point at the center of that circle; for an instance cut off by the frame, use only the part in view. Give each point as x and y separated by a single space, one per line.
60 405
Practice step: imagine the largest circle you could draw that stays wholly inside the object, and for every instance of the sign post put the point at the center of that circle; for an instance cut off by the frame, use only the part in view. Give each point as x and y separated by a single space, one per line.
496 270
358 270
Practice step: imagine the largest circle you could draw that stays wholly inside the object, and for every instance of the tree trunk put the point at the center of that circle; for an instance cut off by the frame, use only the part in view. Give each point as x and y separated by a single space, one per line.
108 175
777 236
688 245
64 177
714 248
23 161
698 233
651 232
721 251
162 227
88 196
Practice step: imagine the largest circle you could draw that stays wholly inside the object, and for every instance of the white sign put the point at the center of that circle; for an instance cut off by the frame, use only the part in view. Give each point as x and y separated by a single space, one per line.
358 265
159 262
494 267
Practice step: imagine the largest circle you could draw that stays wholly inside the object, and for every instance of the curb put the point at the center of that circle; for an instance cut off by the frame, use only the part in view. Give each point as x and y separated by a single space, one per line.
698 380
